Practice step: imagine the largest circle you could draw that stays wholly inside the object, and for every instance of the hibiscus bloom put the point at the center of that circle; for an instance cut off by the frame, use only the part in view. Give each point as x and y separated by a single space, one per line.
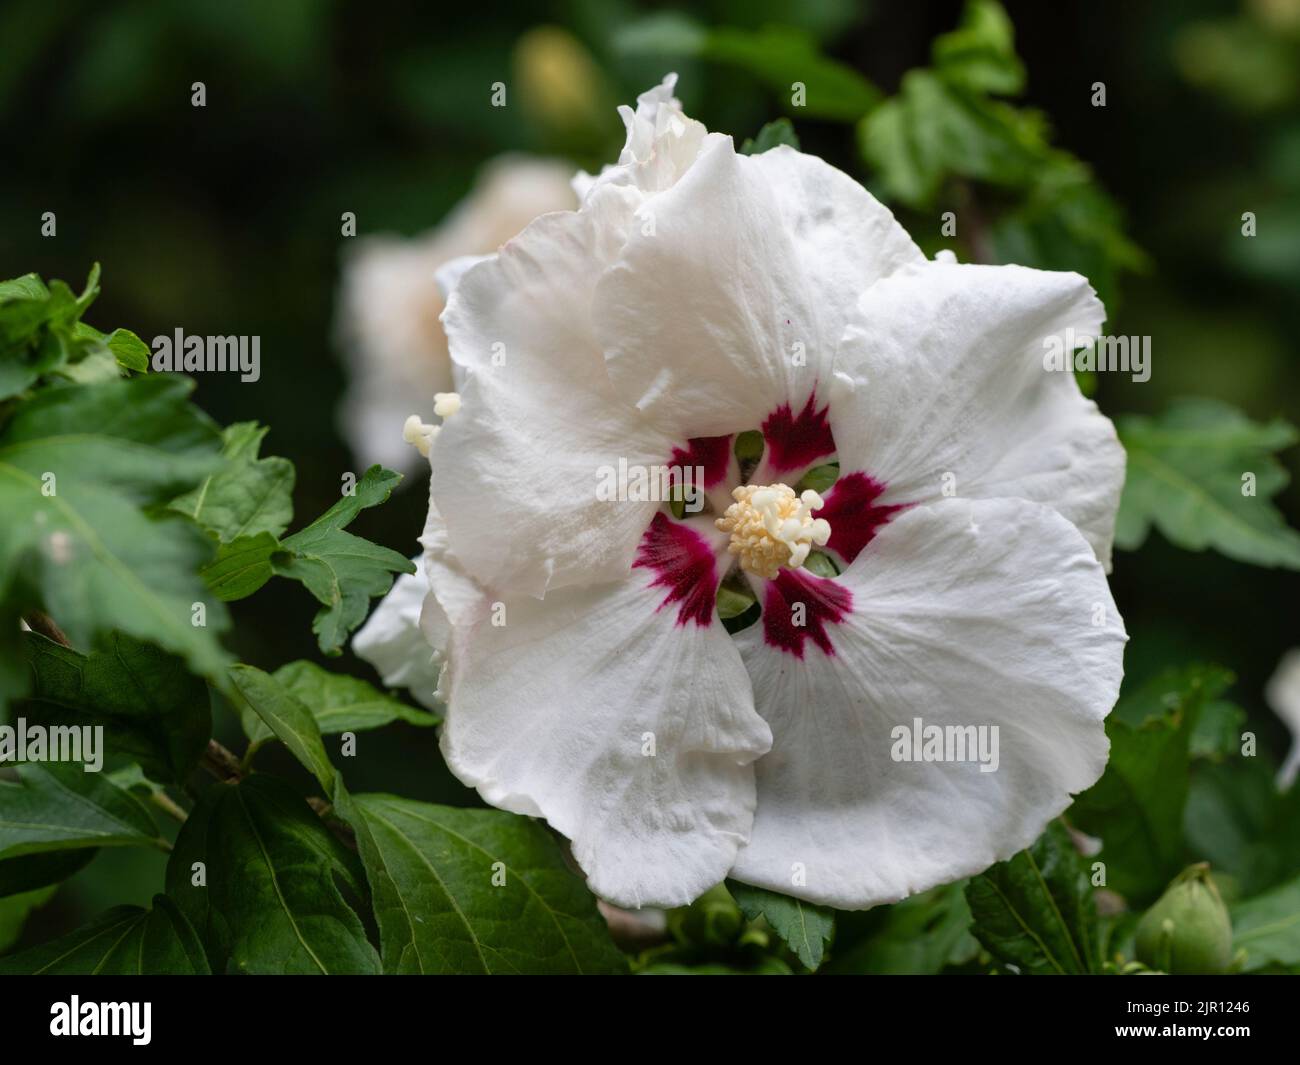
959 555
389 302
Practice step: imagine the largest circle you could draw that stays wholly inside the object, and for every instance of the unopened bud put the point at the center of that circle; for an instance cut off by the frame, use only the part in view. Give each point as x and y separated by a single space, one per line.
1188 929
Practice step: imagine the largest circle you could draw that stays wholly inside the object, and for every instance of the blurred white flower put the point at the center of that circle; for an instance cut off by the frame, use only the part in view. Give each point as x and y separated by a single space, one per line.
392 341
1283 695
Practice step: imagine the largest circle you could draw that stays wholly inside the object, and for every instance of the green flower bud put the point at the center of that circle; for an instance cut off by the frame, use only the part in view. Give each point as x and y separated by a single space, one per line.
713 919
1188 929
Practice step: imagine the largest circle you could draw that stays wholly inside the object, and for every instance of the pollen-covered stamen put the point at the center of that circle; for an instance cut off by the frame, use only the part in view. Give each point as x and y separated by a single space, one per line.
419 433
771 527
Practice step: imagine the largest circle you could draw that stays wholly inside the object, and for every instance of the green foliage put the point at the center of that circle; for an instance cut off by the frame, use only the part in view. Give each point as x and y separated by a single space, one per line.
1238 821
947 128
1036 912
83 471
58 806
921 935
283 715
776 56
804 927
474 891
343 571
152 709
980 54
339 703
33 871
126 941
273 899
781 131
14 910
241 567
248 495
38 329
1267 928
1137 806
1189 474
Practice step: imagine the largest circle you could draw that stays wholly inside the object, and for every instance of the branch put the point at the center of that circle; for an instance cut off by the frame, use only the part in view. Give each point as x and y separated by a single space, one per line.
41 623
223 765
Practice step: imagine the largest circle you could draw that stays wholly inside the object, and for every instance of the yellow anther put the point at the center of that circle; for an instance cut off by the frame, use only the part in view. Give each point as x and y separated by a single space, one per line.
771 527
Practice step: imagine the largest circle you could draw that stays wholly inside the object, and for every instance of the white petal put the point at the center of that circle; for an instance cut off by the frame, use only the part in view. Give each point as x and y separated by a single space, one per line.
517 469
393 641
389 303
946 364
1283 695
662 144
964 613
732 290
448 275
550 713
845 238
455 598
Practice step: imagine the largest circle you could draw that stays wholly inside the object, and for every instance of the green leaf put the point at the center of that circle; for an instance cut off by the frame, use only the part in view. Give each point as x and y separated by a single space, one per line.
821 564
771 136
804 927
1036 912
344 572
340 703
31 871
152 709
765 967
777 56
1065 221
241 567
1137 806
58 806
980 54
82 468
40 332
14 910
918 936
732 602
1218 730
474 891
126 941
820 478
129 350
932 130
1268 927
1187 472
248 495
273 900
1238 821
282 715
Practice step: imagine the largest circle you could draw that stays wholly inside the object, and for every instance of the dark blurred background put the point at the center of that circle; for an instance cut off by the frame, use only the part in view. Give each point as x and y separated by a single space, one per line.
225 219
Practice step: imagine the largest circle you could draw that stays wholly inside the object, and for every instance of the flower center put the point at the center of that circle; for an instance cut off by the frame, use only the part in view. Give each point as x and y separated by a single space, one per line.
771 527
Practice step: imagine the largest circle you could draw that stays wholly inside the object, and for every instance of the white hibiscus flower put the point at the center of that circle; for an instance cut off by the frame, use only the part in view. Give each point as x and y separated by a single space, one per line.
1283 695
389 302
697 294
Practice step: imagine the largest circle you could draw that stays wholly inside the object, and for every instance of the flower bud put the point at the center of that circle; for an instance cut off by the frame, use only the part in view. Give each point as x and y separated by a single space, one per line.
1187 930
713 919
